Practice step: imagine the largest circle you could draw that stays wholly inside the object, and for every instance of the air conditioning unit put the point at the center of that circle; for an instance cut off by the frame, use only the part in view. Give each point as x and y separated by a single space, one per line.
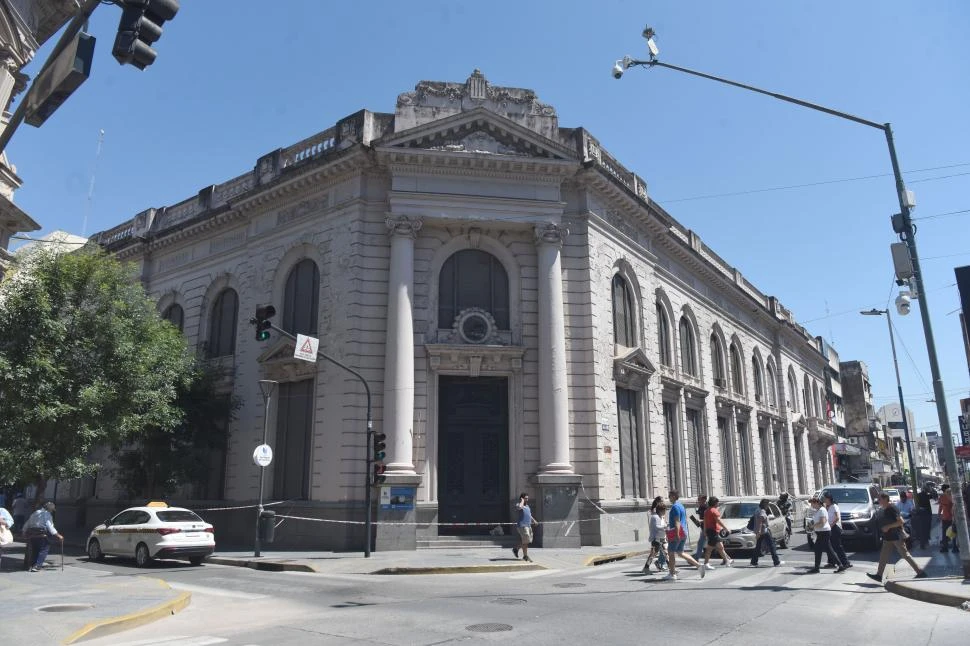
720 382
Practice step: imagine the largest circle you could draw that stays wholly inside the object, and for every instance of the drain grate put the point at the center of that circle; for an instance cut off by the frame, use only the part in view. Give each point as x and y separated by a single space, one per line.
65 607
488 628
508 601
569 585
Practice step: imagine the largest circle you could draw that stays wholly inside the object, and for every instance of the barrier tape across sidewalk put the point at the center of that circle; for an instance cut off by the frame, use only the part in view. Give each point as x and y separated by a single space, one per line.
602 511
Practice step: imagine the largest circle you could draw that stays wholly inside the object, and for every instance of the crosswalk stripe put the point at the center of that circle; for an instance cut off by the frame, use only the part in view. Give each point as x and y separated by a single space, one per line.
533 574
216 592
178 640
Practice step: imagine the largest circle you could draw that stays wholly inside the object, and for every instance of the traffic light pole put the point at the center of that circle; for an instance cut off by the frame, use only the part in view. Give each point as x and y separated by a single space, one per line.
72 30
370 424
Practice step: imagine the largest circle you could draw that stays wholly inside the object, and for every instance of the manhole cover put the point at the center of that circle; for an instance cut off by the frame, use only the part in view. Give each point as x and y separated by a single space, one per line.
508 601
569 585
488 628
66 607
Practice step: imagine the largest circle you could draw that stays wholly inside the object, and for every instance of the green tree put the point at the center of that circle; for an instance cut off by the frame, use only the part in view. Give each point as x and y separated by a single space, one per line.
85 361
164 457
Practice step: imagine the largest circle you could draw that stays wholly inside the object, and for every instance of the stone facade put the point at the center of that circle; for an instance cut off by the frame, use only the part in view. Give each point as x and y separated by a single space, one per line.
388 207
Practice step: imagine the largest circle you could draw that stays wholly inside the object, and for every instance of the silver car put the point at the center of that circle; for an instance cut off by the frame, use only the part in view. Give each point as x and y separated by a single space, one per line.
735 514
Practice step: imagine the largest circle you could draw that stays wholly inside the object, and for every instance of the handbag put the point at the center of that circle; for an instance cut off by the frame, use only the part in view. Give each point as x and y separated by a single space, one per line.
6 536
674 534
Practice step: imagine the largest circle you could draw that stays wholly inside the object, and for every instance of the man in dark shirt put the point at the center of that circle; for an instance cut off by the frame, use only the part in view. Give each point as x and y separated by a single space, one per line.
891 526
922 517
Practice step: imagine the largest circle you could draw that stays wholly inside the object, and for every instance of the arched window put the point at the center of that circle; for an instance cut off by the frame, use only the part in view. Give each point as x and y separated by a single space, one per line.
816 401
792 391
688 348
759 380
772 385
175 315
624 315
301 299
663 335
807 397
222 324
473 278
717 363
737 370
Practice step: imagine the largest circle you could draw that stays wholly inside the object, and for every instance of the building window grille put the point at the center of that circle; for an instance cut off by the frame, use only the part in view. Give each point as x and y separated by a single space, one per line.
473 279
688 349
175 315
663 336
624 330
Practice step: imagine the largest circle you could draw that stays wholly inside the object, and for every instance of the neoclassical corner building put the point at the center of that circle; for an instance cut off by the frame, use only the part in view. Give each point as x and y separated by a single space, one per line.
526 317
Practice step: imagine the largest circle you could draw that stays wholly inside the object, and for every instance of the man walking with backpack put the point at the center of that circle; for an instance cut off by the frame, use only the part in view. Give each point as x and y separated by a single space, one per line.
759 525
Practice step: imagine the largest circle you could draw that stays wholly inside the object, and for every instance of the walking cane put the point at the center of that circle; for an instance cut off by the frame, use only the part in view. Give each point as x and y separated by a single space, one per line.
62 555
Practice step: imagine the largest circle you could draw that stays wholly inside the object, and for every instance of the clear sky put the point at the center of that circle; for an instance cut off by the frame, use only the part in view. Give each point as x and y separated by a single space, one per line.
236 79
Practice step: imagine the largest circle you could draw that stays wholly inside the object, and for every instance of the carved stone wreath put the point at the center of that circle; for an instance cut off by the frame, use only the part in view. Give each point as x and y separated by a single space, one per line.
475 325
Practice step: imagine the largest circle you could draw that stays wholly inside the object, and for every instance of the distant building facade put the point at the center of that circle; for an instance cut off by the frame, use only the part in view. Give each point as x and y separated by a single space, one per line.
526 317
864 429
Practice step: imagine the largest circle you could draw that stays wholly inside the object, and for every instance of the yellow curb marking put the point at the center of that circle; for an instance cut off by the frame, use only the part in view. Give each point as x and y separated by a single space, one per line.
609 558
103 627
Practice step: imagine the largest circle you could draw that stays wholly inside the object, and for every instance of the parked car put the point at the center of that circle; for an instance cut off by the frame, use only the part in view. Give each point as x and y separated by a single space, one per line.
735 514
154 531
893 494
858 504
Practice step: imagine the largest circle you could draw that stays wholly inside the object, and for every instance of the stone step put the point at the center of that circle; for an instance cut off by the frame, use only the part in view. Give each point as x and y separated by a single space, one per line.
467 542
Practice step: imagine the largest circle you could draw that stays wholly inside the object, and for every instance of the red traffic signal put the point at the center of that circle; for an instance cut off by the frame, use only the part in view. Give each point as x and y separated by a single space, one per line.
379 476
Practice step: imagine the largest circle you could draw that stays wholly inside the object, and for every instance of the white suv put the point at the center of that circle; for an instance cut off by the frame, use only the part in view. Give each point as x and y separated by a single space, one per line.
858 504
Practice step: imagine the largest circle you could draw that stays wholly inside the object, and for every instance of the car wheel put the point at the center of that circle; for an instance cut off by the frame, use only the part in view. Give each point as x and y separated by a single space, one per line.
142 557
196 560
94 550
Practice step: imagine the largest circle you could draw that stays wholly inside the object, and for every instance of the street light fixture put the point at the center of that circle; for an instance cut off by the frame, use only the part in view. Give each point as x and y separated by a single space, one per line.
902 224
899 387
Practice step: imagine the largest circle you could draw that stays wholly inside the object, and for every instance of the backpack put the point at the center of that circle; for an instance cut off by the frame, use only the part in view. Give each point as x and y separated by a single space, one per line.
752 521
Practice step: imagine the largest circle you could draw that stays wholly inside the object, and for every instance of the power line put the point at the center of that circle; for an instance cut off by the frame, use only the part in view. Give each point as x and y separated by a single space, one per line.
911 360
943 215
823 183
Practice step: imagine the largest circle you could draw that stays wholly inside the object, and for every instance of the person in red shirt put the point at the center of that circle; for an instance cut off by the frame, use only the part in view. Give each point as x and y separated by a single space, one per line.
712 526
946 517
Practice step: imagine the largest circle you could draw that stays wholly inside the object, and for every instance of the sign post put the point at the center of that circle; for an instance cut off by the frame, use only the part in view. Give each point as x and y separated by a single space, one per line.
263 455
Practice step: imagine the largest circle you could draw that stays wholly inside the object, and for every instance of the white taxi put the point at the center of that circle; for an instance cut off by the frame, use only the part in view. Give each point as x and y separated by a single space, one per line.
155 531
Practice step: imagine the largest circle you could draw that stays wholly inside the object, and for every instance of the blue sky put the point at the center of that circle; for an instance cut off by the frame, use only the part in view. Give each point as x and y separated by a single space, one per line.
237 79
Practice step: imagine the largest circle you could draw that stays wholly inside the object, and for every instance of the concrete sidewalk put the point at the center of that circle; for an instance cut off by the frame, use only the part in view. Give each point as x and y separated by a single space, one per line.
64 607
945 585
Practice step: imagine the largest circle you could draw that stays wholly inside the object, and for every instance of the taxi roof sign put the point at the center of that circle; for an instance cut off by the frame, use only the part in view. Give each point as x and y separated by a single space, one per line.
157 503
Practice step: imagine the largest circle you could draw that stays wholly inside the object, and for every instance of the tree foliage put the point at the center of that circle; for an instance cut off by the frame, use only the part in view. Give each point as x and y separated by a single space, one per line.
165 457
85 361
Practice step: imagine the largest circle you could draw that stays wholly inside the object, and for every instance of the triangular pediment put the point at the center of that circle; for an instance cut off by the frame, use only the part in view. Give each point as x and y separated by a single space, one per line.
478 131
278 363
635 359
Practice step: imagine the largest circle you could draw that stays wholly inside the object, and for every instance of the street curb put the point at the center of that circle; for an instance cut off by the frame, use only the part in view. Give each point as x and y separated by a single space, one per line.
905 589
602 559
460 569
104 627
265 566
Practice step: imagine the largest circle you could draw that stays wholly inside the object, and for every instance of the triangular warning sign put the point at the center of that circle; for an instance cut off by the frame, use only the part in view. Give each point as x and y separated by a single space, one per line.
307 347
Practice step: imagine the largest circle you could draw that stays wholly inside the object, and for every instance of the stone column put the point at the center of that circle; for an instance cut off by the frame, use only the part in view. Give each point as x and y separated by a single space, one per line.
553 393
399 350
558 485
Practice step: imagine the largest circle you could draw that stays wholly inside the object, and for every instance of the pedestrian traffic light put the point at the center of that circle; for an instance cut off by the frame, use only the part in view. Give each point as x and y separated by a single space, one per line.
140 26
379 476
262 321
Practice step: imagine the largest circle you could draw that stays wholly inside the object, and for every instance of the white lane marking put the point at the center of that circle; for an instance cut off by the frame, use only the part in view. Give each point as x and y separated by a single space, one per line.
178 640
533 574
216 592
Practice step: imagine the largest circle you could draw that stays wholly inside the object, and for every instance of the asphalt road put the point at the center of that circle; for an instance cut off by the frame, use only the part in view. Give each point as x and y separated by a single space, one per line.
607 604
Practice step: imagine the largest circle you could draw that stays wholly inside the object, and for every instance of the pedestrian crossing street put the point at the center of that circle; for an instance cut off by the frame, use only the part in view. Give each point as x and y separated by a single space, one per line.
789 576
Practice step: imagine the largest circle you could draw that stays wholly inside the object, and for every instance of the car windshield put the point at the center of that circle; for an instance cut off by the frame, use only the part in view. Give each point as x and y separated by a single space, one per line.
849 495
738 509
178 516
891 492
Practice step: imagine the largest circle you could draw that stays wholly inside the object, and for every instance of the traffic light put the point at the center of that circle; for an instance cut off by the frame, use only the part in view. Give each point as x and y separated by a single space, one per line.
379 476
380 444
140 26
263 314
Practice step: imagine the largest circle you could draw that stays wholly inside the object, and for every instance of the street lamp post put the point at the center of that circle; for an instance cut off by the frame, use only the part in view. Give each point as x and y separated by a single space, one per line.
266 387
902 404
902 224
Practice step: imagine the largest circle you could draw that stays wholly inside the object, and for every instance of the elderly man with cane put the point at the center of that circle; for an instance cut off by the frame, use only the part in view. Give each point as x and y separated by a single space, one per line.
38 530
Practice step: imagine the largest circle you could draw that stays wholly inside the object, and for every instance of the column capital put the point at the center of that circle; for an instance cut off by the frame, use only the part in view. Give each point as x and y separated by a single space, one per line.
402 225
550 233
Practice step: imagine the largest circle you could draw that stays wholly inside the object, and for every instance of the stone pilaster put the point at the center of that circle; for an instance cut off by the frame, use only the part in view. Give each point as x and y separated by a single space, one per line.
399 349
553 391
